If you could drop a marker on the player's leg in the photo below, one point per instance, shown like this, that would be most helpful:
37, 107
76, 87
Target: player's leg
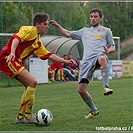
20, 117
62, 75
51, 75
102, 60
59, 75
82, 89
28, 96
70, 75
16, 69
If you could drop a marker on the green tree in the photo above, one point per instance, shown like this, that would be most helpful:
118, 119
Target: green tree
72, 15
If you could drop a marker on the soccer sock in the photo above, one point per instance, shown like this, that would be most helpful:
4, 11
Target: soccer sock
62, 75
22, 107
58, 73
105, 75
29, 101
90, 103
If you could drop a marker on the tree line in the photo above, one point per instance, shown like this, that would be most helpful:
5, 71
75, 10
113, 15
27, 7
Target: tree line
72, 15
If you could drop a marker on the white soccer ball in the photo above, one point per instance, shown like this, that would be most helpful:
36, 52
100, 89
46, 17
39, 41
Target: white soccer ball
44, 117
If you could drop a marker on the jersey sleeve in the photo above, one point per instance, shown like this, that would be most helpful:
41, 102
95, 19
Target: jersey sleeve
26, 33
110, 40
77, 34
42, 52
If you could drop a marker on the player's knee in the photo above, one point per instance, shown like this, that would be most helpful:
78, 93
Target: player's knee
102, 59
33, 83
80, 90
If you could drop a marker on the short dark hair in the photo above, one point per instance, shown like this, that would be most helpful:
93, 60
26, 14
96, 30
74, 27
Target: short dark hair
97, 10
40, 18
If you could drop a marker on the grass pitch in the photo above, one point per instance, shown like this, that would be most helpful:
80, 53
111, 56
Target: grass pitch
68, 109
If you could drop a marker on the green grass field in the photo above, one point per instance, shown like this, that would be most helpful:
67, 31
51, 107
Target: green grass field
68, 109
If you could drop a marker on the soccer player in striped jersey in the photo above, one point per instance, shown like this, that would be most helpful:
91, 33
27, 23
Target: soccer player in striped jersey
22, 44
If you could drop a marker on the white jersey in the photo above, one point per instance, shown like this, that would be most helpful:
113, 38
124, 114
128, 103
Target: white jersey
93, 40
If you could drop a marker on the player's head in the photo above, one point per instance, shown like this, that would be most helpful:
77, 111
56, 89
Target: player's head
40, 20
96, 15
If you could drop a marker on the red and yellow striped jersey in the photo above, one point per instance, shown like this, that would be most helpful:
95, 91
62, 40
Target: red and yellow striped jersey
29, 43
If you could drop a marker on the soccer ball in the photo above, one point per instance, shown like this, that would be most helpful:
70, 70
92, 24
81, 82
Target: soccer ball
44, 117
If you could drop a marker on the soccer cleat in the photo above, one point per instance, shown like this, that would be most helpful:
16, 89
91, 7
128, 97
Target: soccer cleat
107, 91
20, 121
91, 114
32, 120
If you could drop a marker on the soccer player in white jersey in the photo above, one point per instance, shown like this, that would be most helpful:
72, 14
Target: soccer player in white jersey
97, 42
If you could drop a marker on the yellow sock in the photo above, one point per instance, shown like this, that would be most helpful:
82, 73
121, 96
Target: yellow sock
29, 101
22, 107
58, 74
62, 75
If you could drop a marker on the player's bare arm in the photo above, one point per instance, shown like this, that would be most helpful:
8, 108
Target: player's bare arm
65, 32
14, 45
61, 60
110, 49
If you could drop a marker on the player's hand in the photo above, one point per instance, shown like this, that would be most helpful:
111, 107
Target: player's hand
54, 23
106, 49
73, 61
10, 57
70, 62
